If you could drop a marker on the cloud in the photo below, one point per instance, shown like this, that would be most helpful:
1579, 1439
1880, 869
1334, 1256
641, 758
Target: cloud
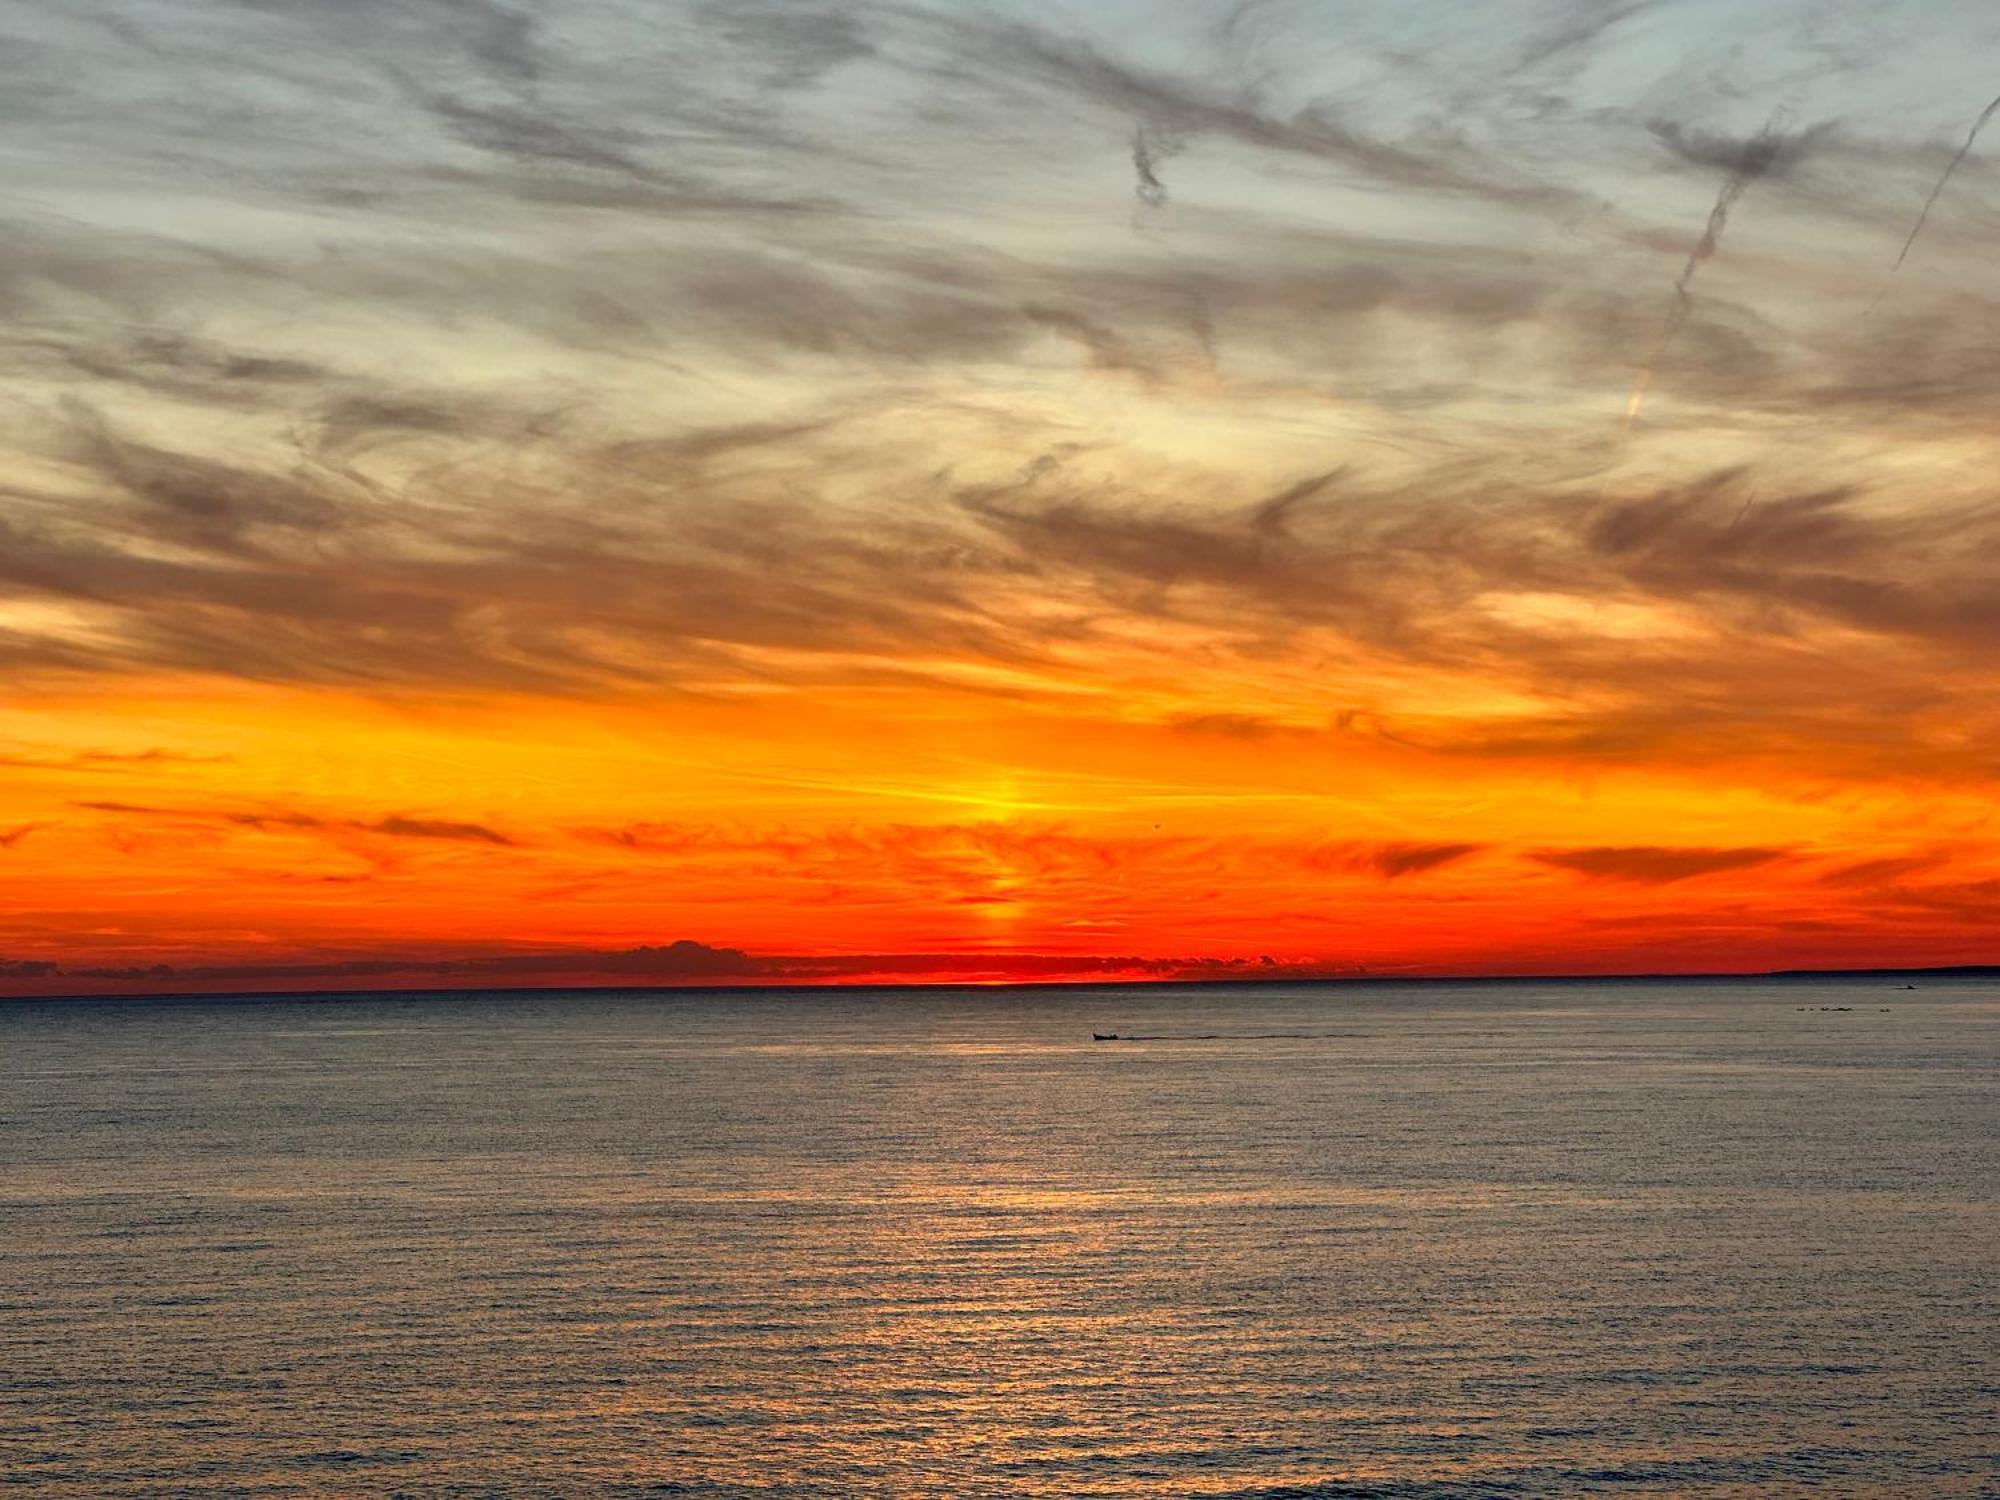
703, 550
263, 820
717, 553
101, 760
1743, 162
1396, 860
1965, 900
1652, 865
1061, 966
1882, 871
1152, 146
192, 500
438, 828
743, 366
681, 962
1826, 553
1014, 55
11, 837
1235, 726
1016, 858
1771, 153
178, 365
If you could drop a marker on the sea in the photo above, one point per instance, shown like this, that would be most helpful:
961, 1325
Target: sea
1284, 1241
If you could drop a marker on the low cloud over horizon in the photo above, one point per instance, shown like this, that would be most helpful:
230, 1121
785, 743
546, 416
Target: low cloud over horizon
682, 962
685, 963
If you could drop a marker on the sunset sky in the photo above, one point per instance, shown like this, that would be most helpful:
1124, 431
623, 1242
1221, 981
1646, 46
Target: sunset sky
626, 491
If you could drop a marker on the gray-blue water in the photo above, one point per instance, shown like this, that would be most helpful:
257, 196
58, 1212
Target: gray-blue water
1454, 1241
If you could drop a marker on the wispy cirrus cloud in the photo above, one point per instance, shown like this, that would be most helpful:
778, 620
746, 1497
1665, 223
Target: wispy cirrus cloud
700, 555
153, 758
1022, 856
395, 826
1883, 871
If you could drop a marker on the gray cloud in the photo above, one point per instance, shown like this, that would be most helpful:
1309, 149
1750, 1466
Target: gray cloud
1651, 865
265, 819
1743, 162
438, 828
1152, 146
1771, 153
1020, 54
1397, 860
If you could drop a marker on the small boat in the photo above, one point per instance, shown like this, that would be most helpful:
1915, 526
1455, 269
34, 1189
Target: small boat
1104, 1036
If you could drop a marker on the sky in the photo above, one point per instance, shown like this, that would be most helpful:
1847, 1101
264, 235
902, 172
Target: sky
623, 491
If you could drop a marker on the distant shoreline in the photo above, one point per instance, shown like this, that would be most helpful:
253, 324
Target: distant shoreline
1343, 981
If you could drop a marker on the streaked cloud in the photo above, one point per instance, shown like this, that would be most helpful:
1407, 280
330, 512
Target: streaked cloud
1652, 865
398, 826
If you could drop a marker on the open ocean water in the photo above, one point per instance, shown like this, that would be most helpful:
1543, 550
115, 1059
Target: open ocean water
1423, 1240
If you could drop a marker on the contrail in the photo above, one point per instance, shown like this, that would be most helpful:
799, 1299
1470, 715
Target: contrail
1753, 162
1150, 147
1970, 136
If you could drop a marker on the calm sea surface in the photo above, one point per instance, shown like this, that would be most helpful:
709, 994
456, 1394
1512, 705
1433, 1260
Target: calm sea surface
1398, 1241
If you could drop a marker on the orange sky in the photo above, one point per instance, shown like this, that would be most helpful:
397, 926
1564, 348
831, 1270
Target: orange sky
952, 494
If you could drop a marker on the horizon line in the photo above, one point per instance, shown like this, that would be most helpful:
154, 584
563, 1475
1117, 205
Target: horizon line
1935, 971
